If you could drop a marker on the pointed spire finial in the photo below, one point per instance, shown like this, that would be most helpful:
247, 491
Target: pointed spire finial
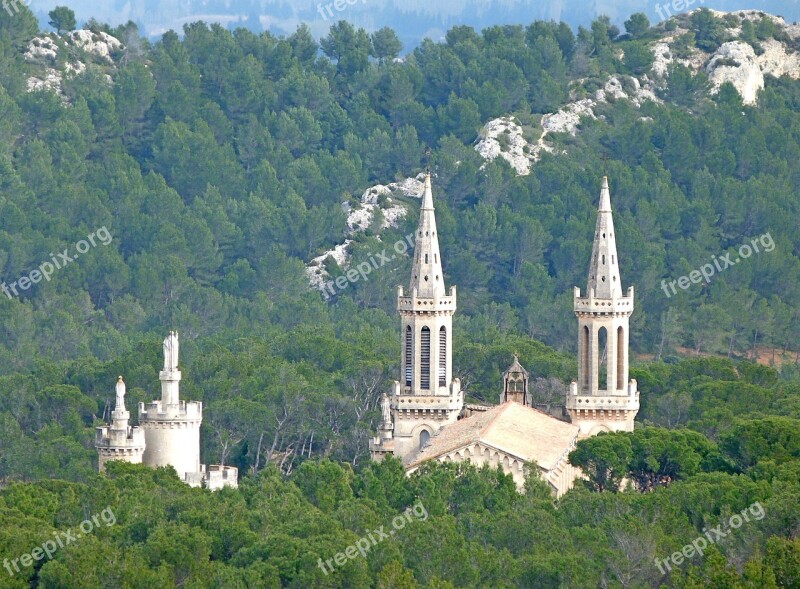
427, 195
605, 197
426, 272
604, 278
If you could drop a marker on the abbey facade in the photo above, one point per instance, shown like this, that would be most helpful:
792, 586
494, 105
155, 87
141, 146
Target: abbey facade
425, 417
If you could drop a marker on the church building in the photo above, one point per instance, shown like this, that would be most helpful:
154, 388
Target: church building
425, 417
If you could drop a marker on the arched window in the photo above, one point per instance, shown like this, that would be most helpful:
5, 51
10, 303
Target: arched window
620, 359
442, 356
585, 359
424, 436
425, 359
602, 348
409, 355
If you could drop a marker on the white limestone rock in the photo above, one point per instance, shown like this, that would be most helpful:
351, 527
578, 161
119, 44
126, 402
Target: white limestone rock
49, 81
777, 61
567, 119
735, 62
412, 187
317, 275
100, 44
392, 215
44, 51
612, 88
520, 154
360, 217
662, 57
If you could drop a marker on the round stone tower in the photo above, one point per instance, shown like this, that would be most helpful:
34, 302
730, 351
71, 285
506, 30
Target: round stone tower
171, 426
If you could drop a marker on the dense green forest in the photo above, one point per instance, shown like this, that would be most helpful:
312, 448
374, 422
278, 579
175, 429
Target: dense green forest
217, 162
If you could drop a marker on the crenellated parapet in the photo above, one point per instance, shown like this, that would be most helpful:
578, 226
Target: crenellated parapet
180, 414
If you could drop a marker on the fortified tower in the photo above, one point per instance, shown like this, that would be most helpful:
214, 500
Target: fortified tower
427, 397
603, 399
119, 441
172, 426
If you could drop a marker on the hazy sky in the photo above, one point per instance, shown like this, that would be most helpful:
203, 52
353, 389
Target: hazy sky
412, 19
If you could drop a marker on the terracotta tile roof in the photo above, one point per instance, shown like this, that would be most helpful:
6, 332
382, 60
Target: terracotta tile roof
520, 431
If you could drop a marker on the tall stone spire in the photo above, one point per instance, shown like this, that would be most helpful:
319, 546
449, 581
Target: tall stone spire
603, 399
426, 273
427, 397
604, 268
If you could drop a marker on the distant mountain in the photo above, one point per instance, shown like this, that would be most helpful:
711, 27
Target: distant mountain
413, 20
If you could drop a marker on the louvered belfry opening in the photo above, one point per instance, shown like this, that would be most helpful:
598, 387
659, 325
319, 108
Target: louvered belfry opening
425, 359
443, 356
409, 359
620, 359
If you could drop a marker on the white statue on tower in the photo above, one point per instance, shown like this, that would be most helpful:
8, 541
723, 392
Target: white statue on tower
120, 395
386, 409
171, 351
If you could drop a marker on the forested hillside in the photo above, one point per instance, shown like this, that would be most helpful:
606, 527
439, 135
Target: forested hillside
187, 184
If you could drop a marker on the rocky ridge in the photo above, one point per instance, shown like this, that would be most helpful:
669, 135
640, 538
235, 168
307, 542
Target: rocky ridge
734, 61
375, 199
44, 51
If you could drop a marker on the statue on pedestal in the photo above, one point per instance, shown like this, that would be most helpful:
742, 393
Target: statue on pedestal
386, 409
171, 351
120, 395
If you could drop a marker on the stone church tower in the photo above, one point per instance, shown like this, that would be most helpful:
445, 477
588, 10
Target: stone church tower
119, 441
427, 397
603, 399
